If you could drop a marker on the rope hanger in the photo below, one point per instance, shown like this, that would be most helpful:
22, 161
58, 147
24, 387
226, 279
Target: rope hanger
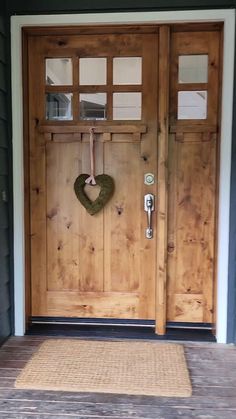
91, 179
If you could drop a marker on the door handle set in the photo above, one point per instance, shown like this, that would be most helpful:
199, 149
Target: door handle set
149, 208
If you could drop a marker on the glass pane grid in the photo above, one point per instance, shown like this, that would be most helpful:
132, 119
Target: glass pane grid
127, 70
59, 106
58, 71
192, 105
193, 69
127, 106
93, 106
93, 71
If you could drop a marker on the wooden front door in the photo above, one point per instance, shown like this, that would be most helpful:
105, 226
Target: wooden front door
151, 95
102, 265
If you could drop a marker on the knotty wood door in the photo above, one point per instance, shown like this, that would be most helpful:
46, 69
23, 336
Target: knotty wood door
193, 174
102, 265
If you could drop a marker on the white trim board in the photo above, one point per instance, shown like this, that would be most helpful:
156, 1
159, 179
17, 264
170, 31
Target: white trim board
17, 22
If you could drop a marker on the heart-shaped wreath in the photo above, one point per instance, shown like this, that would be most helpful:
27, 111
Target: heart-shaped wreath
107, 189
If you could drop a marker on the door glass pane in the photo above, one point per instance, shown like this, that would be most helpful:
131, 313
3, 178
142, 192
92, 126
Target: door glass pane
192, 105
127, 105
127, 70
193, 68
92, 71
59, 71
59, 106
93, 105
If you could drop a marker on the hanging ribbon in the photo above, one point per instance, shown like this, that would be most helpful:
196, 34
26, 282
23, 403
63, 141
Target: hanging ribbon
91, 179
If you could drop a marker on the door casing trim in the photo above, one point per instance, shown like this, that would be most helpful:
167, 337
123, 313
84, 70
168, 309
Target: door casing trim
227, 16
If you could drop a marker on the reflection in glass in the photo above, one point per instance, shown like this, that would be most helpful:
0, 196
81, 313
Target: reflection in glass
193, 68
127, 106
59, 71
127, 70
59, 106
92, 71
93, 105
192, 105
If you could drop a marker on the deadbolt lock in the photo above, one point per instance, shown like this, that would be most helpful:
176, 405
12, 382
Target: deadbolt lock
149, 179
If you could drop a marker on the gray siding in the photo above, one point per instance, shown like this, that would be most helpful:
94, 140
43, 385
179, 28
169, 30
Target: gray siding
5, 306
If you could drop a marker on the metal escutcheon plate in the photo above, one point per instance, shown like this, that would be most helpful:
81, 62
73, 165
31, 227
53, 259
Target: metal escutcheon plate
149, 179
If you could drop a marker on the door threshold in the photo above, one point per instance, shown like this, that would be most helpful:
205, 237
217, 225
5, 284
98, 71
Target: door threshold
117, 329
81, 321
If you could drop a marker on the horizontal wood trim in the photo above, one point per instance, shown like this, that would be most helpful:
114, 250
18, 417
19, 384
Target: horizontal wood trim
196, 27
103, 138
117, 29
192, 86
91, 304
121, 128
195, 137
91, 30
193, 128
94, 89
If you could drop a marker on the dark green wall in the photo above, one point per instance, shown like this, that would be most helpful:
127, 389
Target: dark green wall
5, 313
75, 6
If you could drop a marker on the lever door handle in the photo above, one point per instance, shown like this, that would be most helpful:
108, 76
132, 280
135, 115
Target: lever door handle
149, 208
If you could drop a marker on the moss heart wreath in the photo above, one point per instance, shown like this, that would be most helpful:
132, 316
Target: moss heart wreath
107, 189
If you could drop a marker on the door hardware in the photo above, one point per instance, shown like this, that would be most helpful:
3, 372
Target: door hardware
149, 179
149, 208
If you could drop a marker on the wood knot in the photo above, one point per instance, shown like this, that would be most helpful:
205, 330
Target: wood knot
52, 213
60, 246
36, 190
92, 248
170, 247
119, 210
61, 43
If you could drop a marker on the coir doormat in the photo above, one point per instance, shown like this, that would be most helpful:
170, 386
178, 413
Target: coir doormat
144, 368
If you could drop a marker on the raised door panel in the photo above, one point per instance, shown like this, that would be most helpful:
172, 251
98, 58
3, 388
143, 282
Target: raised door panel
100, 265
191, 228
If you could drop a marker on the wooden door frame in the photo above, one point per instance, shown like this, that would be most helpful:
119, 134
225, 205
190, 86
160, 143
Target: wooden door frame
227, 17
162, 104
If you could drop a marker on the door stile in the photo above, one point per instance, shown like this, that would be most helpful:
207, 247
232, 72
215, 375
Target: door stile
37, 164
162, 213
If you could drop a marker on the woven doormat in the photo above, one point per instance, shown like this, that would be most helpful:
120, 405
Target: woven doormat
144, 368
